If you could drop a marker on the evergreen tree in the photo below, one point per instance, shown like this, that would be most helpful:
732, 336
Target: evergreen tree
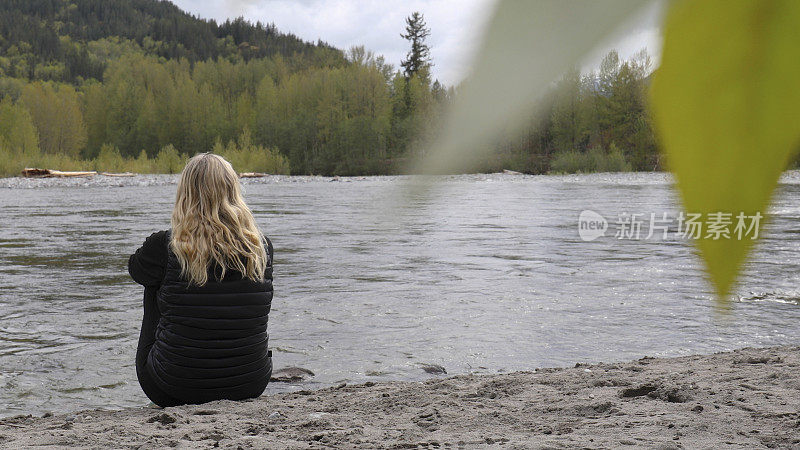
417, 60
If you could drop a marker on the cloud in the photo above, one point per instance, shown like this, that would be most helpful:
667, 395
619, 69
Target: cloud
235, 6
644, 31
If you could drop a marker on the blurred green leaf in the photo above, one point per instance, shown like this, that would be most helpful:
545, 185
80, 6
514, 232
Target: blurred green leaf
726, 100
527, 45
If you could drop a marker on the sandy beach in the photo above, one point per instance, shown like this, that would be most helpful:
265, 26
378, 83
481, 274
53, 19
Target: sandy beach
748, 398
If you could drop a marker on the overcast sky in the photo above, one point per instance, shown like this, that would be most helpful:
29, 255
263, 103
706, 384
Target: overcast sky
376, 24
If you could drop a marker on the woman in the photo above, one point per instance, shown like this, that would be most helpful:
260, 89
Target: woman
208, 291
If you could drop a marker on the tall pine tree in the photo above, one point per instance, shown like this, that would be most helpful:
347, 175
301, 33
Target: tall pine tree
417, 60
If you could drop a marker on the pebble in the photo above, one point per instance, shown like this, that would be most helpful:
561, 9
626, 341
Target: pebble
290, 375
433, 368
163, 418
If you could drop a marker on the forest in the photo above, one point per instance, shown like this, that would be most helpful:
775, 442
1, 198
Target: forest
139, 85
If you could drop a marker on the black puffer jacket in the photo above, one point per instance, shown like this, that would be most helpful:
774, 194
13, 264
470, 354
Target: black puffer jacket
211, 342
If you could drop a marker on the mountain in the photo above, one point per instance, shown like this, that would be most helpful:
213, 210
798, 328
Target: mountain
72, 40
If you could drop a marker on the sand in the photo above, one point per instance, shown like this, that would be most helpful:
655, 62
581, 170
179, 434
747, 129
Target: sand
748, 398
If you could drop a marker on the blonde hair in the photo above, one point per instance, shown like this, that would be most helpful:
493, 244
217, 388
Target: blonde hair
212, 223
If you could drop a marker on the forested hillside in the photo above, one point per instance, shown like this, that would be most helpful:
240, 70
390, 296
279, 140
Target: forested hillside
139, 85
47, 39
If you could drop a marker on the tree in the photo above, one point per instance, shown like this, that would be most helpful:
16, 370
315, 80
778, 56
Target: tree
17, 132
417, 60
411, 94
623, 115
58, 118
568, 125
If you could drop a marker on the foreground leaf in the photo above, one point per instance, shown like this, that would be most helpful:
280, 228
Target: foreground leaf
726, 100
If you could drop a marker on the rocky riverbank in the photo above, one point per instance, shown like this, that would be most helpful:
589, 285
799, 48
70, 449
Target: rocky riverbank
748, 398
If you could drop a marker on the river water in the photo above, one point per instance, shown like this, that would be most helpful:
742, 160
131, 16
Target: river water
377, 276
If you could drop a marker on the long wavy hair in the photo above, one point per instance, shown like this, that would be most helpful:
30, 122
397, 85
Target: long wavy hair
211, 223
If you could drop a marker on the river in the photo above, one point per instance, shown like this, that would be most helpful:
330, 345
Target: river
377, 276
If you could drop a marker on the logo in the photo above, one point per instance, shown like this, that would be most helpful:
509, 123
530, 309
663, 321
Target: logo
591, 225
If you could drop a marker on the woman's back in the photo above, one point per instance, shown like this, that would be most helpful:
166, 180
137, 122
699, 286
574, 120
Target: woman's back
211, 340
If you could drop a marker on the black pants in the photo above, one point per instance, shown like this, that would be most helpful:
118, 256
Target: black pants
146, 339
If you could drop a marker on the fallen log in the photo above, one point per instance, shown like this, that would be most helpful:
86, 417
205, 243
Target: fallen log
48, 173
121, 174
252, 175
59, 173
32, 172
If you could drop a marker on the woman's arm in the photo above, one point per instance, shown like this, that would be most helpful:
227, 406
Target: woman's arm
270, 250
147, 265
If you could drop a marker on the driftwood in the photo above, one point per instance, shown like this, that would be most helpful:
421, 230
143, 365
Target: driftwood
252, 175
47, 173
511, 172
58, 173
31, 172
123, 174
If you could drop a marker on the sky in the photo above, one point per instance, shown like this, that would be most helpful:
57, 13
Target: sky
456, 27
